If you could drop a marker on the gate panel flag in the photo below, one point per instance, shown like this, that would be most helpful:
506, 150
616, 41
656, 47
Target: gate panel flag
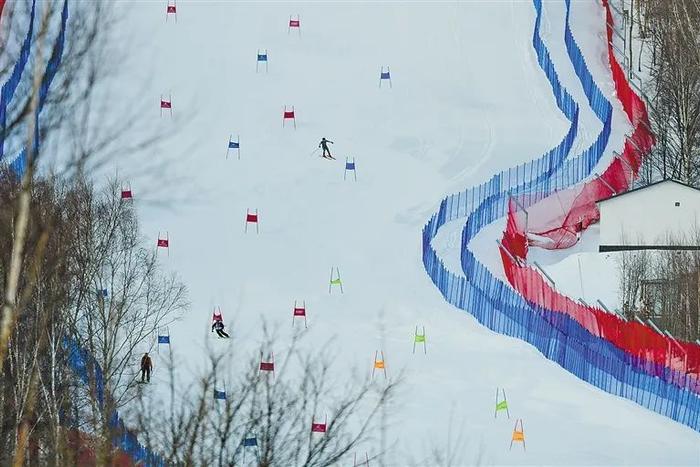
318, 427
217, 316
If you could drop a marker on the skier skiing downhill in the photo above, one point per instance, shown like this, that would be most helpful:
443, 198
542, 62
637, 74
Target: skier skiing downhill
219, 327
324, 145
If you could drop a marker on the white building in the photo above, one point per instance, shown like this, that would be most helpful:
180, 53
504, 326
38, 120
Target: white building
663, 215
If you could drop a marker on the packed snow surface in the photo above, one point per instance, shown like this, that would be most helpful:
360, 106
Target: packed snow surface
467, 99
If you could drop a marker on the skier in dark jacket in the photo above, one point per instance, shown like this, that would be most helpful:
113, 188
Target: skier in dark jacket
324, 145
219, 327
146, 367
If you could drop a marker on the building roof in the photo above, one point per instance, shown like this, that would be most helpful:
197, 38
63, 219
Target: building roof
648, 186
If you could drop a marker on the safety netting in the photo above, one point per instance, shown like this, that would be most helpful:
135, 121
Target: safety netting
557, 221
633, 337
498, 306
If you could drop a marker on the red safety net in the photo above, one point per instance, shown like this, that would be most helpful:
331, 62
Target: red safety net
299, 311
577, 206
293, 23
267, 366
289, 114
172, 9
631, 336
556, 221
251, 217
165, 104
163, 242
577, 209
514, 239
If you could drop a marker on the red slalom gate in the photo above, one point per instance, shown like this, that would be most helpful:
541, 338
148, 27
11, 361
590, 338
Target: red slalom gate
299, 312
163, 242
580, 210
166, 104
267, 366
294, 23
252, 218
288, 114
126, 193
319, 427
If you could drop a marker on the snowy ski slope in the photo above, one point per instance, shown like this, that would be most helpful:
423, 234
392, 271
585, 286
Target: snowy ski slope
468, 99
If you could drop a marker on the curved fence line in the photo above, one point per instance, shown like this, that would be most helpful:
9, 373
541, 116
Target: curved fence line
10, 86
500, 308
19, 164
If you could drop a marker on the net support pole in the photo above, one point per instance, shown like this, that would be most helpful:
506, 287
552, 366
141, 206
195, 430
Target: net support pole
602, 305
634, 144
545, 275
515, 260
622, 159
522, 208
606, 184
651, 323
